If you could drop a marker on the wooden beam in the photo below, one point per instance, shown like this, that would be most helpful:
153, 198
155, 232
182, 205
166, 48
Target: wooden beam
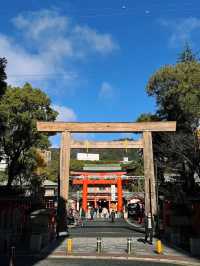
150, 185
105, 127
137, 144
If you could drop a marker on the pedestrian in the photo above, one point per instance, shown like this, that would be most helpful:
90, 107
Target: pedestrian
100, 211
105, 212
137, 210
92, 213
97, 212
112, 216
149, 228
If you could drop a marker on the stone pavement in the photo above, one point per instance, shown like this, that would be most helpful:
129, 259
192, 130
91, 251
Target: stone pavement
110, 245
114, 248
102, 228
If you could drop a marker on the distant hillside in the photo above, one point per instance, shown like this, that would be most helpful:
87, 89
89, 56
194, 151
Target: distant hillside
106, 156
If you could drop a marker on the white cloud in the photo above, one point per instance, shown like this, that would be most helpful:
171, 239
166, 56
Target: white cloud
106, 91
102, 43
65, 114
40, 23
20, 62
48, 43
181, 30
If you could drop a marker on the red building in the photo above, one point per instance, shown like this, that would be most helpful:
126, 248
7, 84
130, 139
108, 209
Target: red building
101, 185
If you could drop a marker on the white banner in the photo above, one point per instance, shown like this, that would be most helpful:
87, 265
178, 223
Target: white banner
113, 191
87, 156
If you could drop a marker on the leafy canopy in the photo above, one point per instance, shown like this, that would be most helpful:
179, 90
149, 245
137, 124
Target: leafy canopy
176, 89
3, 76
20, 108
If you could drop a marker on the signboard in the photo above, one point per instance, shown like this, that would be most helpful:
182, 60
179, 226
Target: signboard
113, 191
87, 157
102, 167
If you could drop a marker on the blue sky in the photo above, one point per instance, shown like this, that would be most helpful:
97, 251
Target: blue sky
94, 58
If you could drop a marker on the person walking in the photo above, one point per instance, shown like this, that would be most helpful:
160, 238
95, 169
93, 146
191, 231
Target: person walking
105, 212
112, 216
83, 217
149, 228
92, 213
137, 210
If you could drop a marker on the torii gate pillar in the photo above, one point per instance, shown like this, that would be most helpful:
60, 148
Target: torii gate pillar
63, 181
150, 184
64, 165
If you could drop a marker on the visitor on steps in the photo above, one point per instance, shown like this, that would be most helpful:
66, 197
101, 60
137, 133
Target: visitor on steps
149, 228
105, 212
92, 213
112, 216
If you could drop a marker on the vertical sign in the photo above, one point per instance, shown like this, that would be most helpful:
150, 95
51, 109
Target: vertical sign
113, 191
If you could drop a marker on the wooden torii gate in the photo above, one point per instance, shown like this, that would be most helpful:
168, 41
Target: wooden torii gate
146, 128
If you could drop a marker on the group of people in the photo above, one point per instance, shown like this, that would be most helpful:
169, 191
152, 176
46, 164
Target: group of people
98, 212
78, 218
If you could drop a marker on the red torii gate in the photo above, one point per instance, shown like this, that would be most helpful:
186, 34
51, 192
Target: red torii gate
86, 181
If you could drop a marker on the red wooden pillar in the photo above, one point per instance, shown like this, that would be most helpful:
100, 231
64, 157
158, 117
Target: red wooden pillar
95, 202
119, 194
85, 192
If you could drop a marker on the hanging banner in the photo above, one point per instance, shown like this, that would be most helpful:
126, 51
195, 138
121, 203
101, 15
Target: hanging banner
87, 156
113, 191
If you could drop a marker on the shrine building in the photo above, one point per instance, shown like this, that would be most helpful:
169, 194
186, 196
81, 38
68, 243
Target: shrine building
101, 185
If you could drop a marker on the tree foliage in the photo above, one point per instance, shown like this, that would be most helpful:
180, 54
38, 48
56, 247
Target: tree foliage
3, 76
176, 89
20, 108
106, 155
187, 55
177, 93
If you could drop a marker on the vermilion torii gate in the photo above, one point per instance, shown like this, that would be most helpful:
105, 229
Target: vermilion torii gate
86, 181
146, 128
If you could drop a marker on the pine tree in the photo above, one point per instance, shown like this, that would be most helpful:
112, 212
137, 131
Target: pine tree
187, 55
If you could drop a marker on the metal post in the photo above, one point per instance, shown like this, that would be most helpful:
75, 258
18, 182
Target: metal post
99, 245
129, 245
12, 257
69, 245
159, 247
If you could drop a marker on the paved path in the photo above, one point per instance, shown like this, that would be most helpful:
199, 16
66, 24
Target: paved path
114, 243
105, 228
114, 248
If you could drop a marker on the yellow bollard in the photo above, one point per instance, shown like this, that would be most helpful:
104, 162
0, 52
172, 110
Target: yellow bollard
159, 247
69, 245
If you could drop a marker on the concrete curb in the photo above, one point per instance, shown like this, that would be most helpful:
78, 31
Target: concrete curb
104, 257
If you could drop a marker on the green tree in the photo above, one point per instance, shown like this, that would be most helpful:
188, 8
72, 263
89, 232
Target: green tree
176, 89
3, 87
20, 108
187, 55
3, 77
